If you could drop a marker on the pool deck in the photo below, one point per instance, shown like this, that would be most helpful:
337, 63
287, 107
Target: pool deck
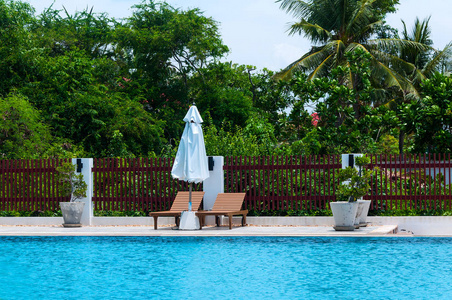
384, 230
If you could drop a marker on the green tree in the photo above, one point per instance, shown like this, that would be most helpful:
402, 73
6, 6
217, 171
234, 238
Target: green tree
429, 120
234, 93
223, 93
159, 39
272, 99
343, 126
237, 141
79, 108
22, 133
159, 49
16, 45
426, 60
70, 183
61, 33
420, 33
337, 27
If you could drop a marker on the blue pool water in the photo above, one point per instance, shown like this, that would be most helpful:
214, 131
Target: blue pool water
225, 268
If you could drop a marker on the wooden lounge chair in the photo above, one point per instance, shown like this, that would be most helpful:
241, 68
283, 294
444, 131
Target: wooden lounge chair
179, 205
226, 204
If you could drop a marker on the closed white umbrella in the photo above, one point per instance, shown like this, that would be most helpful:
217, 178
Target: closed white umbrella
191, 161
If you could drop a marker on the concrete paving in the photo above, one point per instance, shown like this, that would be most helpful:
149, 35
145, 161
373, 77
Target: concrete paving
384, 230
407, 225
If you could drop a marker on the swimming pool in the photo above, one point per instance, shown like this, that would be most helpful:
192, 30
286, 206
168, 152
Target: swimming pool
225, 267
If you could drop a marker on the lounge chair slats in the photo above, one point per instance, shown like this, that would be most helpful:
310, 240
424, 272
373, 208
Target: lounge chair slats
226, 204
179, 205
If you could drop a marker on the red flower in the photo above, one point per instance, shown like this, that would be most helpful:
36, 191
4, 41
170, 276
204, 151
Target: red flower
315, 119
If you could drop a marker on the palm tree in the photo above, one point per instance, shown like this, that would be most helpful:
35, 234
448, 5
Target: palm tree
421, 34
427, 61
336, 27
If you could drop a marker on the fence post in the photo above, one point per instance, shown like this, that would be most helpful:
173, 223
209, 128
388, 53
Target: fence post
215, 183
84, 166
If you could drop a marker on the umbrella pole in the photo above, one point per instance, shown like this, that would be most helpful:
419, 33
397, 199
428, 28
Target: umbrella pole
189, 196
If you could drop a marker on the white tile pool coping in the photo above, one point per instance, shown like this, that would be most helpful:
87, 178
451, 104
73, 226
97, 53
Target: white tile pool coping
258, 226
207, 231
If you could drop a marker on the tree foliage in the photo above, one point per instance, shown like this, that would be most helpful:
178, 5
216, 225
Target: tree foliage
355, 183
22, 133
16, 46
89, 85
70, 183
347, 119
337, 27
429, 121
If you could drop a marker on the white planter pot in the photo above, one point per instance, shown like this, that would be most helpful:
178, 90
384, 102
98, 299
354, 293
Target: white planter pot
72, 213
362, 216
344, 214
359, 211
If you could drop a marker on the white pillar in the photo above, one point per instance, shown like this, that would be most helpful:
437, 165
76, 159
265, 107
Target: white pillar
347, 160
86, 171
215, 183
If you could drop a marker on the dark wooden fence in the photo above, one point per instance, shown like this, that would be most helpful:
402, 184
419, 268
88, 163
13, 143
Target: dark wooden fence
139, 184
271, 183
29, 185
414, 181
283, 183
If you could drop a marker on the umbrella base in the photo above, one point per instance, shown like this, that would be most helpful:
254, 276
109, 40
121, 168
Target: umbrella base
188, 221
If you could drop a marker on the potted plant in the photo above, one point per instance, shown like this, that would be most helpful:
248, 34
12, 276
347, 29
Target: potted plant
73, 185
354, 184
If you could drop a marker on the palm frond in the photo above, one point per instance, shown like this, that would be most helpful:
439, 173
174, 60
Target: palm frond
421, 32
312, 31
307, 62
361, 17
321, 68
400, 43
349, 79
437, 58
380, 97
410, 72
394, 61
390, 78
366, 31
352, 46
298, 9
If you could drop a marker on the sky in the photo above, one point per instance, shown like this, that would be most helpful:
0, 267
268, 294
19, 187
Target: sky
256, 30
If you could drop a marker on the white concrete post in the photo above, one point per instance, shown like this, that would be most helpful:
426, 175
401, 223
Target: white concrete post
87, 165
346, 160
215, 183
